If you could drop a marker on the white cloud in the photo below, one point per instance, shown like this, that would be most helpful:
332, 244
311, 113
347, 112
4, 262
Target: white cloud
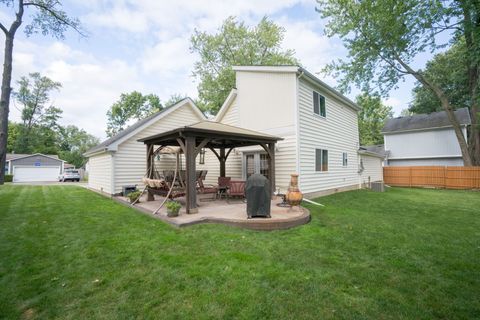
148, 50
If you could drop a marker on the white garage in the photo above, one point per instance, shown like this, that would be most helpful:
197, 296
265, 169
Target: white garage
35, 168
29, 174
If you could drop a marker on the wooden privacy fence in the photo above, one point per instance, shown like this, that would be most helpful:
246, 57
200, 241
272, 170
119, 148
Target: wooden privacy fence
433, 176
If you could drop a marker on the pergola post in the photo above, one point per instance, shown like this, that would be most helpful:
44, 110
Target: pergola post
271, 164
150, 169
222, 160
191, 193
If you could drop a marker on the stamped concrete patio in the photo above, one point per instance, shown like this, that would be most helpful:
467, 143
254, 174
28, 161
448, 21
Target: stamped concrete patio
233, 213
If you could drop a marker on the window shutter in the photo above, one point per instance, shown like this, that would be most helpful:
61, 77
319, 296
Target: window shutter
318, 159
316, 105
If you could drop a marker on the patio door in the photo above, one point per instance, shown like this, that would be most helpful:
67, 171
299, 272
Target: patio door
256, 162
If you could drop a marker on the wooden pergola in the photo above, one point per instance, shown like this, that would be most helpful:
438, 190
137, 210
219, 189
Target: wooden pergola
220, 138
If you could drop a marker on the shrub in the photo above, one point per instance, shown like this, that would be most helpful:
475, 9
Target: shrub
132, 196
8, 177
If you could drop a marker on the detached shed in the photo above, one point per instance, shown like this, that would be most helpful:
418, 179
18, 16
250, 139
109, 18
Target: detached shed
35, 167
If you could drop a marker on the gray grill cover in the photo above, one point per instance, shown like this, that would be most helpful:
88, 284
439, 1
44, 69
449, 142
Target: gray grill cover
258, 195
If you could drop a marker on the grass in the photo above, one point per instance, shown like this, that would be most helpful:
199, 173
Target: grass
68, 253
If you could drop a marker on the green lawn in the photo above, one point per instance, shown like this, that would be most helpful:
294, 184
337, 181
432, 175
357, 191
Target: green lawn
68, 253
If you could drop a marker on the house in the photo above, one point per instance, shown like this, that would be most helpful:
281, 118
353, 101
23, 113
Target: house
425, 139
33, 167
318, 125
120, 160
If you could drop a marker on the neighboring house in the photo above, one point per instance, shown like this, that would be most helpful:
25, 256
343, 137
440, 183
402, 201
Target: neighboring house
319, 127
33, 167
121, 160
425, 139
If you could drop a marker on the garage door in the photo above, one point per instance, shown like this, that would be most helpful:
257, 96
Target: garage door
29, 174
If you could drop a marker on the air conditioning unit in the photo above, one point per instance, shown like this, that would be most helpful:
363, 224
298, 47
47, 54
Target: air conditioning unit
378, 186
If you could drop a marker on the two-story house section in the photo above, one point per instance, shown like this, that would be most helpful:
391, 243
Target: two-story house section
425, 139
319, 127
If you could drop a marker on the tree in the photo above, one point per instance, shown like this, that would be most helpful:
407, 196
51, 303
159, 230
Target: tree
384, 37
13, 134
73, 143
448, 69
234, 44
47, 18
131, 106
371, 118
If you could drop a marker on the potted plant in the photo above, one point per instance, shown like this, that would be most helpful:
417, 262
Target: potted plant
173, 207
132, 196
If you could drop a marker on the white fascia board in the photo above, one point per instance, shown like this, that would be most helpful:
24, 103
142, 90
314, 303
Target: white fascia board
114, 145
280, 69
463, 126
226, 104
371, 154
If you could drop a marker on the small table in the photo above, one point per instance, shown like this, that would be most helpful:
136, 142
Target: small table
284, 203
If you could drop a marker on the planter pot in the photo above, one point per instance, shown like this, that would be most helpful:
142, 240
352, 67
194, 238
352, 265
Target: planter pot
172, 213
294, 196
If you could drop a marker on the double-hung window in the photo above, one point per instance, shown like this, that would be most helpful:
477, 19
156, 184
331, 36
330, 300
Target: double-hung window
321, 160
319, 104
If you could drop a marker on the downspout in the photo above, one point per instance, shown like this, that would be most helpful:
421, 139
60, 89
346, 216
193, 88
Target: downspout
297, 125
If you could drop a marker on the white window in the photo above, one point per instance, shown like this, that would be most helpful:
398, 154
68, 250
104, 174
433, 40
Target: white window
319, 104
345, 159
321, 160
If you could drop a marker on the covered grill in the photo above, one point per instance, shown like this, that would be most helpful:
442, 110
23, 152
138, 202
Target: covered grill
258, 194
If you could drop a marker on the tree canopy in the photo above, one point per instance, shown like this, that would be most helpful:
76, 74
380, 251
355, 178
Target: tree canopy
131, 106
46, 17
449, 71
40, 130
234, 44
383, 38
371, 118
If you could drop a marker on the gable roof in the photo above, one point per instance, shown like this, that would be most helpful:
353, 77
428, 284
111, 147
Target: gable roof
17, 156
226, 104
425, 121
374, 150
141, 124
301, 72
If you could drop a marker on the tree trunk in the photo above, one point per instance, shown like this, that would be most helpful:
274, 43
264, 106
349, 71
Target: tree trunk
471, 26
5, 103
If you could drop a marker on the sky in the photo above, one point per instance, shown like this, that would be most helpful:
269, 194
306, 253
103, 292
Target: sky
144, 45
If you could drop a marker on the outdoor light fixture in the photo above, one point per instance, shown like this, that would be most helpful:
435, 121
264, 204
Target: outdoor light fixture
202, 156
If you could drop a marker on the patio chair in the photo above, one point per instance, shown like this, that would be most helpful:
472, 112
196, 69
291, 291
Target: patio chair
223, 183
236, 189
206, 189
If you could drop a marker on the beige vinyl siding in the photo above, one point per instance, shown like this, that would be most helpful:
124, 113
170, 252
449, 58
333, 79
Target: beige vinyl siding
265, 102
337, 133
100, 172
130, 158
372, 167
231, 115
233, 166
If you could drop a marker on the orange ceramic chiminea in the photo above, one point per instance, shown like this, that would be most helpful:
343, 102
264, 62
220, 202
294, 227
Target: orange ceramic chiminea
294, 196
